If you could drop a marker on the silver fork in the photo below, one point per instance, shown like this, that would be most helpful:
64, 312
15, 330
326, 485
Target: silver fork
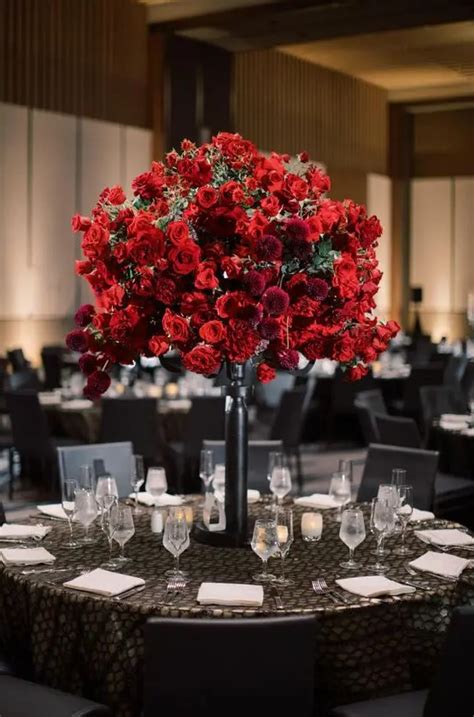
335, 592
320, 590
415, 573
277, 597
174, 586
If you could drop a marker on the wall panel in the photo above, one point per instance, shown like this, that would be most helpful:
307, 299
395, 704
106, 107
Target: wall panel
138, 154
379, 202
463, 211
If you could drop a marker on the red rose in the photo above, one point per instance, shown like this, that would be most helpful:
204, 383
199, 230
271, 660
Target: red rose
344, 349
77, 340
206, 197
158, 345
116, 195
265, 373
203, 359
270, 205
345, 277
354, 373
231, 192
95, 242
97, 384
142, 221
148, 185
147, 247
123, 323
205, 278
79, 223
83, 267
112, 297
212, 332
84, 315
233, 304
177, 232
176, 327
231, 265
319, 181
315, 349
192, 301
296, 186
185, 257
166, 291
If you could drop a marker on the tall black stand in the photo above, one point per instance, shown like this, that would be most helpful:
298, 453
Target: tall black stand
236, 459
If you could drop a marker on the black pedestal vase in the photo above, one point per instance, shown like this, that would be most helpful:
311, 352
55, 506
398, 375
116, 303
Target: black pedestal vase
236, 459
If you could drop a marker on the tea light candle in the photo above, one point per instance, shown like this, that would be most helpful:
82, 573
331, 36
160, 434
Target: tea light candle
189, 516
311, 526
282, 532
156, 522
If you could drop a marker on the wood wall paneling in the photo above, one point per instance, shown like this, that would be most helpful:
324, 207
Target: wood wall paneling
463, 224
379, 202
138, 154
443, 143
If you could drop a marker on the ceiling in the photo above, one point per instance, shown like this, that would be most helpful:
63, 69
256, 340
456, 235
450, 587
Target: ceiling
415, 63
168, 10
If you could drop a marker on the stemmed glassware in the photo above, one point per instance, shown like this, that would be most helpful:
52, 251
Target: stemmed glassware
108, 502
137, 479
399, 477
206, 468
340, 491
122, 527
280, 483
218, 482
285, 536
382, 522
85, 511
156, 483
85, 478
404, 512
106, 485
176, 540
69, 488
276, 459
352, 534
265, 544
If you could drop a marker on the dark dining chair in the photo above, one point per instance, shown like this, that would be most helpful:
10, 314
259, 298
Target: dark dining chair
367, 403
24, 380
116, 459
436, 400
420, 466
288, 425
260, 666
2, 514
17, 359
452, 688
397, 431
257, 460
454, 371
52, 360
135, 420
429, 375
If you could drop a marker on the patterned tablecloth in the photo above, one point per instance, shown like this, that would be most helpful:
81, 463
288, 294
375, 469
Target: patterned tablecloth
94, 646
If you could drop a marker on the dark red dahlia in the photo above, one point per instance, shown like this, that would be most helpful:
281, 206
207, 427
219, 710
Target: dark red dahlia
77, 340
269, 328
254, 282
268, 248
166, 291
296, 229
300, 248
275, 301
288, 359
318, 289
87, 364
97, 384
84, 315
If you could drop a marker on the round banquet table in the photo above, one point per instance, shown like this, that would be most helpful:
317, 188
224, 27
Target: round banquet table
456, 451
93, 645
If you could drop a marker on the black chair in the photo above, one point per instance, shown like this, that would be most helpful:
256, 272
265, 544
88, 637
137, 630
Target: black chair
397, 431
420, 466
115, 458
452, 689
52, 360
343, 397
18, 360
367, 403
24, 380
436, 400
132, 419
430, 375
2, 514
257, 460
467, 381
454, 371
257, 665
288, 424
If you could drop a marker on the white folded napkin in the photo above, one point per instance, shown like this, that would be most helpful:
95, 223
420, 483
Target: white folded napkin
373, 586
230, 594
454, 418
317, 500
419, 515
450, 566
166, 499
253, 495
76, 404
104, 582
468, 432
12, 530
452, 425
54, 510
445, 536
47, 398
26, 556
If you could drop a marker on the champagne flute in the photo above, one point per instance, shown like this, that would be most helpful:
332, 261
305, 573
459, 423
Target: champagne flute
123, 528
106, 485
340, 491
404, 512
399, 477
218, 482
86, 512
206, 468
69, 488
265, 544
352, 534
280, 484
176, 541
276, 459
383, 523
137, 479
85, 478
156, 485
285, 536
109, 502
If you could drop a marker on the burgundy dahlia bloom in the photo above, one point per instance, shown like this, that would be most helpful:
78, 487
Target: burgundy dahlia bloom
318, 289
268, 248
87, 364
296, 229
84, 315
300, 248
275, 301
77, 340
254, 282
269, 328
97, 384
288, 359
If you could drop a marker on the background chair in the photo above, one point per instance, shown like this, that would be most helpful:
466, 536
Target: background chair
26, 379
430, 375
452, 690
367, 403
397, 431
2, 514
288, 424
257, 460
436, 400
52, 360
420, 466
135, 420
117, 458
17, 360
454, 371
258, 665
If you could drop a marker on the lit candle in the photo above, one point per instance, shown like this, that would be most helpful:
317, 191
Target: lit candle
282, 532
189, 516
311, 526
156, 522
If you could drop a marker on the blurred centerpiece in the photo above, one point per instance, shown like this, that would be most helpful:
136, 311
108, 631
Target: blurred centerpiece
225, 256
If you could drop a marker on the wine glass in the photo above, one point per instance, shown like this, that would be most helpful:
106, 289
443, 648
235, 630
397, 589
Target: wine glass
85, 511
218, 482
404, 511
85, 478
352, 534
206, 468
399, 477
345, 466
340, 491
285, 536
108, 502
276, 459
106, 485
156, 483
176, 540
122, 527
69, 488
137, 478
383, 523
280, 484
265, 544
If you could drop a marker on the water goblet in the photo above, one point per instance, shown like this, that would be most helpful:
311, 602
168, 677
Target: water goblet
123, 528
206, 468
352, 534
176, 540
265, 544
340, 491
280, 484
404, 511
106, 485
69, 488
85, 510
156, 483
383, 523
137, 479
285, 537
85, 481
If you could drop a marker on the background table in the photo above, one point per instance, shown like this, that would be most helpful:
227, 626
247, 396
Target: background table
93, 645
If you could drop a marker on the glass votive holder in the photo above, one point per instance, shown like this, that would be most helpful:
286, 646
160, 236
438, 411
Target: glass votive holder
311, 526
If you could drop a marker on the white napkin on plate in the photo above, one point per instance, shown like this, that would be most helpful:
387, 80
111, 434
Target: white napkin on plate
104, 582
166, 499
468, 432
454, 418
373, 586
317, 500
230, 594
452, 426
54, 510
47, 398
76, 404
450, 566
26, 556
12, 530
445, 536
253, 495
419, 515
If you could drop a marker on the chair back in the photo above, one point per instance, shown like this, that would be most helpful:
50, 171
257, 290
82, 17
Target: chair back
30, 427
17, 359
117, 458
430, 375
373, 400
454, 370
452, 690
367, 403
52, 360
467, 381
289, 418
436, 400
132, 419
24, 380
397, 431
205, 421
266, 664
420, 466
257, 460
2, 514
